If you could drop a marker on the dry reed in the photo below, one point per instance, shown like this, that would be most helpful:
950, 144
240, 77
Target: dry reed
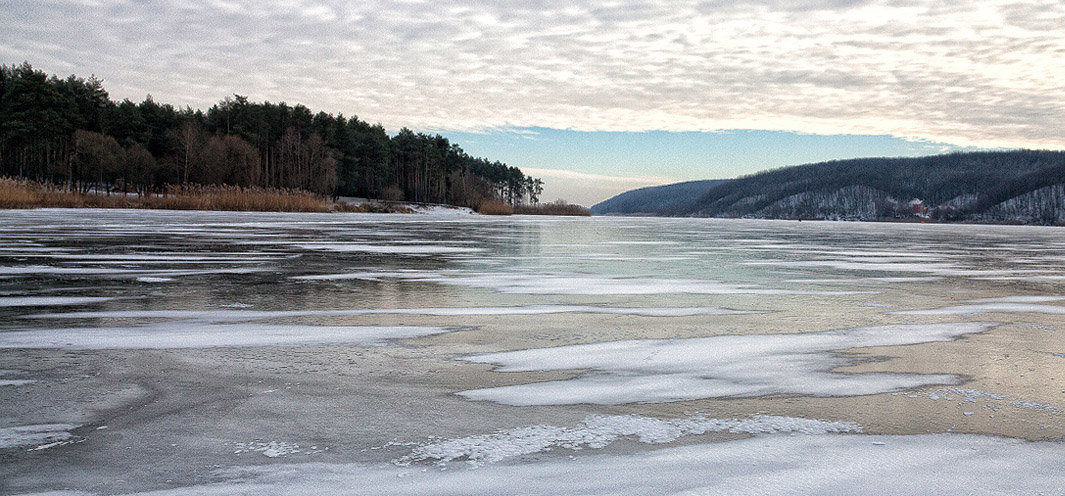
555, 208
16, 193
494, 207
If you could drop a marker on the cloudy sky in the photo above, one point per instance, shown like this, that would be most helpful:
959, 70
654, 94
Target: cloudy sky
595, 97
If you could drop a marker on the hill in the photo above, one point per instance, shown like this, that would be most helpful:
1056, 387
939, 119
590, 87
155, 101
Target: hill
656, 200
1010, 186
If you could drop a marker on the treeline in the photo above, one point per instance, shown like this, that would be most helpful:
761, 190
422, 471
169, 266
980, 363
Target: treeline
952, 187
69, 132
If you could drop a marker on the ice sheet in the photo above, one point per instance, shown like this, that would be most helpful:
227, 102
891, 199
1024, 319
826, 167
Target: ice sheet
49, 301
249, 315
979, 308
9, 378
185, 334
933, 268
721, 366
389, 249
571, 284
825, 465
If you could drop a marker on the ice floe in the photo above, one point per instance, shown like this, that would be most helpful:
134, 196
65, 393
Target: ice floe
721, 366
599, 431
184, 334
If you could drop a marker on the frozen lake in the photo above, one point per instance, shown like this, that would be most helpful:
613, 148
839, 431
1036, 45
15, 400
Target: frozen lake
251, 353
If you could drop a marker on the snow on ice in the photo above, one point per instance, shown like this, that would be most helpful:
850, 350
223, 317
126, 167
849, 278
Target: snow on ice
662, 370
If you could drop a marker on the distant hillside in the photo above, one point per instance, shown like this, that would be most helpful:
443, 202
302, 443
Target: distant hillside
1015, 186
656, 200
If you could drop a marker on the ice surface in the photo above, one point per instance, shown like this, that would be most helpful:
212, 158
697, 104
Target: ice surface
933, 268
825, 465
192, 334
712, 367
1020, 299
390, 249
32, 270
6, 380
49, 301
978, 308
249, 315
140, 258
30, 435
598, 431
16, 382
571, 284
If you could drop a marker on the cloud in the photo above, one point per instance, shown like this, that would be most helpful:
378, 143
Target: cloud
966, 73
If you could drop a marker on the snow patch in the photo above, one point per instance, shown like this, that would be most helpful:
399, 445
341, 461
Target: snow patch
43, 435
713, 367
826, 465
273, 449
599, 431
992, 401
154, 279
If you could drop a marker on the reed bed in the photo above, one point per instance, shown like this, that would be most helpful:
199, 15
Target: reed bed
17, 193
555, 208
494, 207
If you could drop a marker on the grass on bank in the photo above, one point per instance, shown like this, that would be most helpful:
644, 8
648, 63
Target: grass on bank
17, 193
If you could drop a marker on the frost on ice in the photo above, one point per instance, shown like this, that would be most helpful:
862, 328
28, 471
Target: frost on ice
598, 431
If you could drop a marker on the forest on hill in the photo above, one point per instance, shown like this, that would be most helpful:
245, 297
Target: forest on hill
1021, 186
654, 200
69, 132
1008, 186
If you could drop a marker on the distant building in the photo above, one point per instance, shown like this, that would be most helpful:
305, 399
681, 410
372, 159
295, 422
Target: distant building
918, 208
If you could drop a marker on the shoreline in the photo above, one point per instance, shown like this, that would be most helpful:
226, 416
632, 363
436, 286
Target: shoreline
22, 194
912, 220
